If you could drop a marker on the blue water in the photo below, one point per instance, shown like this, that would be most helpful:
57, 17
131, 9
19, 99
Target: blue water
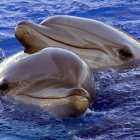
115, 114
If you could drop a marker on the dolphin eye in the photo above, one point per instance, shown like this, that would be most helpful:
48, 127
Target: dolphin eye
4, 86
125, 54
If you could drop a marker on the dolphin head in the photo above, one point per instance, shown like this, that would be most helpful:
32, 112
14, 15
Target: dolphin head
98, 43
54, 79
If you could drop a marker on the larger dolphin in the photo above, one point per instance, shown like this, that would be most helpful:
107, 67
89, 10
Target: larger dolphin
54, 79
98, 43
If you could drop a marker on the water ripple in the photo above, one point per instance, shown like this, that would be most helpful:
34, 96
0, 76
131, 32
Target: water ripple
114, 115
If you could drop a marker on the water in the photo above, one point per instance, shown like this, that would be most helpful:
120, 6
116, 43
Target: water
115, 114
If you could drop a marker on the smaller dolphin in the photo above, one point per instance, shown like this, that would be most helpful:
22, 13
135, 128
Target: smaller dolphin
54, 79
98, 43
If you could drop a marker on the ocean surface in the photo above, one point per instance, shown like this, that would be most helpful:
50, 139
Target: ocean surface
116, 113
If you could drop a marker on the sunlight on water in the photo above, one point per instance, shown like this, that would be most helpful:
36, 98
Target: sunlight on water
114, 115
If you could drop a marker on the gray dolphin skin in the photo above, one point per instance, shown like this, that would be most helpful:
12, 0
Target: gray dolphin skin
54, 70
98, 43
54, 79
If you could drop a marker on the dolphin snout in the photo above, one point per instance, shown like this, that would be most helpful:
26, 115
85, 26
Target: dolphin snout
80, 92
23, 23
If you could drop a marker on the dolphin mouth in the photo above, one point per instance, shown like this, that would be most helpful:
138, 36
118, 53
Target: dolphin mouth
73, 104
70, 106
85, 98
62, 93
42, 30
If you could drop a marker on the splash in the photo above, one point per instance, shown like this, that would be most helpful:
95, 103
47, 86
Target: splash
2, 55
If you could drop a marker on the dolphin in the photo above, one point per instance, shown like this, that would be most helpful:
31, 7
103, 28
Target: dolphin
98, 43
54, 79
